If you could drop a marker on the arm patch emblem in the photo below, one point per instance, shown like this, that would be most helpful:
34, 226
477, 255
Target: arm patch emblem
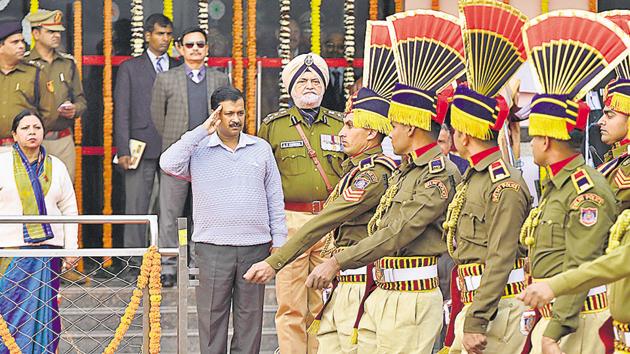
583, 198
588, 216
496, 195
441, 187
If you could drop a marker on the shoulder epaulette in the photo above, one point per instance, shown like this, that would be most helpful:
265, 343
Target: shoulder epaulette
272, 116
366, 163
581, 181
498, 171
27, 53
386, 161
437, 164
333, 114
609, 166
66, 56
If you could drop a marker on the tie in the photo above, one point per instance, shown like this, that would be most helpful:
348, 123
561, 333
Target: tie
158, 65
195, 76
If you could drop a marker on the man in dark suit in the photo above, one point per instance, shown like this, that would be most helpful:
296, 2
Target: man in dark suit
132, 98
181, 102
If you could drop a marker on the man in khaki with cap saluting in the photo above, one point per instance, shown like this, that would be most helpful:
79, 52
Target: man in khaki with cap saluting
63, 83
309, 155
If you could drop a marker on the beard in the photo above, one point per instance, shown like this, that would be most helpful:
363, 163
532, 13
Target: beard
308, 100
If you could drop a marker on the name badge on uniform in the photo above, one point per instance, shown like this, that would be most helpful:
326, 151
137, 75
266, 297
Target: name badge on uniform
331, 143
291, 144
61, 77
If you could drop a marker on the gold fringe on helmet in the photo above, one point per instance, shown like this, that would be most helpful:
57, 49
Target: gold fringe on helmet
620, 102
370, 120
469, 124
409, 115
548, 125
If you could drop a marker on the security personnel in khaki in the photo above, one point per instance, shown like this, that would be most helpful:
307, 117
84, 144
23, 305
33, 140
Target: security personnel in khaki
614, 130
483, 220
23, 84
63, 82
309, 155
344, 219
404, 313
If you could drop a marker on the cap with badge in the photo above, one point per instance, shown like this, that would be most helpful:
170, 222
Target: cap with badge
494, 52
50, 20
429, 54
571, 51
9, 27
617, 92
371, 103
299, 65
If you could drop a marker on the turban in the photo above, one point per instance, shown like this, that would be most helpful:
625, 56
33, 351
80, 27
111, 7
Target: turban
9, 27
299, 65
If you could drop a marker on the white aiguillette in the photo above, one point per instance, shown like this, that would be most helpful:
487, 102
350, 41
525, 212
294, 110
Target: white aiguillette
136, 149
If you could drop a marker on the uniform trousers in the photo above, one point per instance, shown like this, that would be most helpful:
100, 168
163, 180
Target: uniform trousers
138, 188
297, 304
63, 149
503, 334
400, 322
584, 340
221, 287
335, 330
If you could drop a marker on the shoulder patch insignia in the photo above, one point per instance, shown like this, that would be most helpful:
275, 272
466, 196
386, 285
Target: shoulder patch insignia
583, 198
498, 171
439, 185
496, 195
387, 162
370, 175
352, 195
588, 216
607, 167
622, 181
437, 164
366, 163
333, 114
67, 56
272, 116
581, 181
360, 183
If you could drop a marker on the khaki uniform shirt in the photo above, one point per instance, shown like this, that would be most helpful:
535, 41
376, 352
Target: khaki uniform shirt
23, 88
616, 169
412, 225
301, 181
496, 203
65, 85
579, 208
348, 214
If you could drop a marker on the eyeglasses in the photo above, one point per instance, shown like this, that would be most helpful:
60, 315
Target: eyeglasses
199, 44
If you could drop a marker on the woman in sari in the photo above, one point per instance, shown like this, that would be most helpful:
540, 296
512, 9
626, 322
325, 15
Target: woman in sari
33, 183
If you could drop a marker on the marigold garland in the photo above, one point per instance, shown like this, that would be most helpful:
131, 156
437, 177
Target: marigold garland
150, 271
348, 44
316, 29
78, 129
373, 10
33, 9
544, 6
202, 15
435, 5
284, 49
251, 67
237, 45
592, 5
398, 5
168, 12
7, 338
108, 114
137, 29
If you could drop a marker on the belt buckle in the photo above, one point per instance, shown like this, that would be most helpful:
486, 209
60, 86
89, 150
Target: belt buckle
316, 206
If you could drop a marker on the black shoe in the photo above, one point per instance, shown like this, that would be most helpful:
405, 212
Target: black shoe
168, 280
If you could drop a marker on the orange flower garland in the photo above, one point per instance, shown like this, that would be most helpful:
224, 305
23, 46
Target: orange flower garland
108, 114
316, 30
149, 276
398, 5
168, 12
544, 6
7, 338
33, 9
237, 45
435, 5
373, 12
592, 5
251, 67
78, 129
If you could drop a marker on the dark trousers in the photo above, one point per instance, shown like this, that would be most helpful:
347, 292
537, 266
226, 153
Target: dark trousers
221, 287
138, 188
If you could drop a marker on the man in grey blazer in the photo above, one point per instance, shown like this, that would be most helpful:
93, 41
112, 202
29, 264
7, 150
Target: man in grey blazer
132, 118
181, 102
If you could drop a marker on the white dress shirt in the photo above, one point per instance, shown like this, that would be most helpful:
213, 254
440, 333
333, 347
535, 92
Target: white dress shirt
164, 63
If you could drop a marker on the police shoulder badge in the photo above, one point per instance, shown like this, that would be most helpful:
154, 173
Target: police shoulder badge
439, 185
437, 164
498, 171
588, 216
496, 195
581, 181
366, 163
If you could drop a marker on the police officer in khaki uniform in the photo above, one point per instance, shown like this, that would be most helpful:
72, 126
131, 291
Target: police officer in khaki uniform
64, 83
483, 221
614, 130
22, 83
344, 219
309, 154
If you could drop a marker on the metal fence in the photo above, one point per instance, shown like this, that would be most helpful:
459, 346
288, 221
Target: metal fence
90, 304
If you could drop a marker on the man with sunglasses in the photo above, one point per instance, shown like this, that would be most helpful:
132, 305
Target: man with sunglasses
63, 83
181, 102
